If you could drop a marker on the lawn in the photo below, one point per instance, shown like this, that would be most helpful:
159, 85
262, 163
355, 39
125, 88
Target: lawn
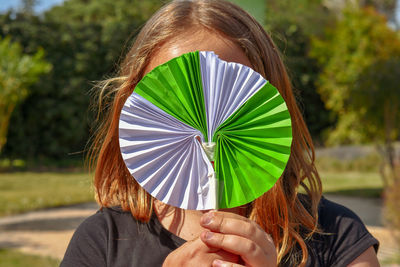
24, 191
17, 259
352, 183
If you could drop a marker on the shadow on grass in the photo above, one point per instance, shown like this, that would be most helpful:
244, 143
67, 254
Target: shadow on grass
75, 164
358, 192
44, 224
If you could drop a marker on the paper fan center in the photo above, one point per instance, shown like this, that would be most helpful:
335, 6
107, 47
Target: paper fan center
209, 148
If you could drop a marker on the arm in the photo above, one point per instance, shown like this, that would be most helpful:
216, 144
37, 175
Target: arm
367, 259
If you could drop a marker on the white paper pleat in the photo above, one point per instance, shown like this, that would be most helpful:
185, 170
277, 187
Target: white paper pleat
227, 86
164, 156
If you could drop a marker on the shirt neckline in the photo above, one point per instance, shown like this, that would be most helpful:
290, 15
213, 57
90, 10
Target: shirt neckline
158, 227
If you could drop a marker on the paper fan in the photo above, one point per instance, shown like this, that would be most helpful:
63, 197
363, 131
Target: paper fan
202, 133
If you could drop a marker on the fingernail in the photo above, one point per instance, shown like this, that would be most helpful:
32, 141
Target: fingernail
208, 235
218, 263
207, 218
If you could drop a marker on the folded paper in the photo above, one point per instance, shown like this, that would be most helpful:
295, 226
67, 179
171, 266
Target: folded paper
202, 133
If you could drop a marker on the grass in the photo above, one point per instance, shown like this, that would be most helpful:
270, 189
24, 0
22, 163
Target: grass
12, 258
351, 177
352, 183
366, 164
25, 191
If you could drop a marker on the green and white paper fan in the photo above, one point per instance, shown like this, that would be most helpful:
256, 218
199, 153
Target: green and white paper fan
202, 133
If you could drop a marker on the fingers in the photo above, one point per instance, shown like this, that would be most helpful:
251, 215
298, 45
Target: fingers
197, 253
233, 224
249, 251
238, 235
221, 263
226, 256
212, 251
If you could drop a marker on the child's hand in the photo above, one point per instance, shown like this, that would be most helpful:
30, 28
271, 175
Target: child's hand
196, 253
238, 235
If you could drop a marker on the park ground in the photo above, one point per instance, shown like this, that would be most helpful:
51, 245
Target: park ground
46, 233
36, 223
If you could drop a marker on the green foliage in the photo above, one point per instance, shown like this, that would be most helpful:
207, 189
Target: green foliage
255, 7
28, 6
386, 7
83, 40
17, 73
360, 83
292, 24
376, 98
310, 16
360, 40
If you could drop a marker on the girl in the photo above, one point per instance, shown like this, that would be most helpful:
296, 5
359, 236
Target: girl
282, 227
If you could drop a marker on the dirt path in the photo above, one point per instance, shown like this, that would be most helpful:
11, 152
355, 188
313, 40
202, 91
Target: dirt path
48, 232
45, 232
368, 209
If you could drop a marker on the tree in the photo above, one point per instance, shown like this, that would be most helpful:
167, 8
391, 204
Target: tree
83, 41
375, 97
359, 40
292, 25
28, 6
360, 83
17, 73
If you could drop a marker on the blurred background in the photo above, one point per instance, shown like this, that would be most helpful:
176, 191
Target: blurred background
343, 57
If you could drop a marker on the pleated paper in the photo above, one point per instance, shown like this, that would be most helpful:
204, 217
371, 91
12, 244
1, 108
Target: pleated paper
202, 133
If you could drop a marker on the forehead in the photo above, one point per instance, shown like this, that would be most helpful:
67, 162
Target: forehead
201, 40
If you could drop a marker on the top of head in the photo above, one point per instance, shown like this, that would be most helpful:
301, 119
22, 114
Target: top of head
201, 39
204, 25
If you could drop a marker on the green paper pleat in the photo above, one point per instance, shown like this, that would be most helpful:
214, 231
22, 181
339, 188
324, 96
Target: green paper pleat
252, 148
176, 88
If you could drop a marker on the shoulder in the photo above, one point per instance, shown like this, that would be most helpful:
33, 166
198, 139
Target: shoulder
113, 237
335, 216
90, 243
104, 222
340, 220
343, 235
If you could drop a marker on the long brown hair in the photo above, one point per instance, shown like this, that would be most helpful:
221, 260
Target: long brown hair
279, 211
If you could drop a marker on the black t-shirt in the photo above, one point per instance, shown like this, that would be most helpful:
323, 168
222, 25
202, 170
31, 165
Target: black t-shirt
112, 237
